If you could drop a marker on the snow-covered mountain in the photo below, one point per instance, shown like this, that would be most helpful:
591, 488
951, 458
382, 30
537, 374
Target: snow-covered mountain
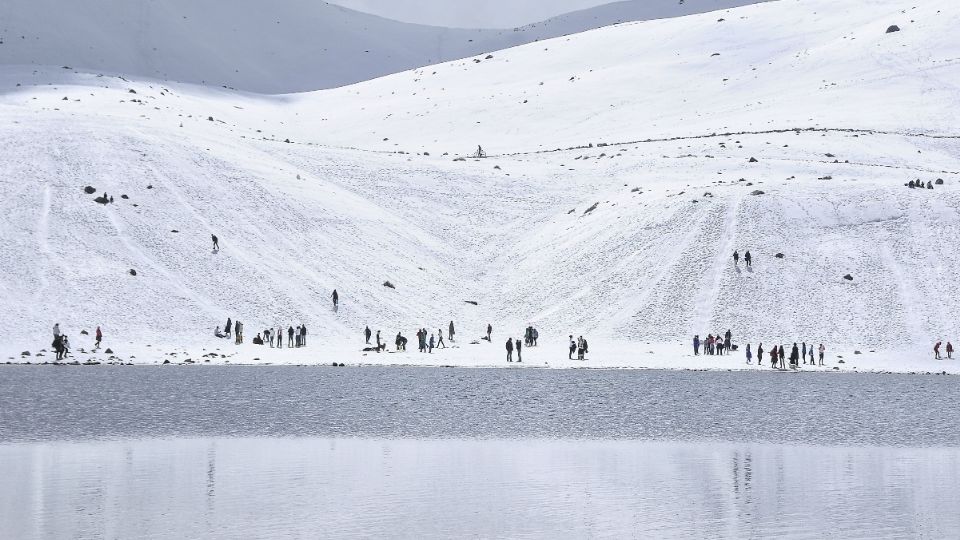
627, 164
276, 47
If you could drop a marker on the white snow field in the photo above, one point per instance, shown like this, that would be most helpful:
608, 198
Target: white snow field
627, 244
273, 47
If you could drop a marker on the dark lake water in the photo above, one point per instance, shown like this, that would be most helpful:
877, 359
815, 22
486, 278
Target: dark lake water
47, 403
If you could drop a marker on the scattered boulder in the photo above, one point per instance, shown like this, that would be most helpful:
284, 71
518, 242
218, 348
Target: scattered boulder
472, 302
132, 91
334, 364
89, 190
939, 181
108, 351
342, 364
592, 208
780, 256
25, 353
489, 57
758, 192
893, 28
149, 186
84, 333
209, 119
133, 272
753, 160
388, 285
848, 277
166, 361
857, 352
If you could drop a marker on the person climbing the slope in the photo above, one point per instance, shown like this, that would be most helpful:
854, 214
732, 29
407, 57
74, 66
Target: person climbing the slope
519, 358
736, 258
450, 332
748, 259
366, 334
216, 242
336, 300
509, 349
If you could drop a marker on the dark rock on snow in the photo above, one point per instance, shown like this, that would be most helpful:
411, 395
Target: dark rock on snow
472, 302
758, 192
753, 160
388, 285
893, 28
939, 181
25, 353
108, 351
89, 190
779, 255
133, 272
848, 277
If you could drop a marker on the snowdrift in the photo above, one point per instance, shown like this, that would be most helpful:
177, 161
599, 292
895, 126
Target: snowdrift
610, 205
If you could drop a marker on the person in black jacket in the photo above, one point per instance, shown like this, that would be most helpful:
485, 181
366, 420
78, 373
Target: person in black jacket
509, 349
289, 337
366, 334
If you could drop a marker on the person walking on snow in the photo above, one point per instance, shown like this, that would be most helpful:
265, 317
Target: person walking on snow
440, 342
432, 341
573, 348
289, 337
736, 258
99, 336
696, 345
336, 300
451, 332
748, 259
803, 353
949, 350
228, 328
366, 334
759, 354
749, 355
216, 242
823, 351
781, 355
519, 358
936, 351
509, 349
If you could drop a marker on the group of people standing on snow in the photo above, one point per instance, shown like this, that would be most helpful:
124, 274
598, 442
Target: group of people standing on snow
295, 337
936, 350
579, 346
717, 345
798, 355
61, 343
530, 336
747, 258
424, 344
713, 345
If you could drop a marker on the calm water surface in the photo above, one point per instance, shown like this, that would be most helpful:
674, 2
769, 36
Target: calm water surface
233, 452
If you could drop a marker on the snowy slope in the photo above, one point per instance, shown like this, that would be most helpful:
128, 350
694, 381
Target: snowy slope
837, 113
275, 47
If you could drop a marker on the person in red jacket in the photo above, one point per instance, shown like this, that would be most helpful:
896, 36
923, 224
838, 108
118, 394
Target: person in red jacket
99, 337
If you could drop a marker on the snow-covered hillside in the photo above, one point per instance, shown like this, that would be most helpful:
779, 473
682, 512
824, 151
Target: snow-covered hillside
628, 240
276, 47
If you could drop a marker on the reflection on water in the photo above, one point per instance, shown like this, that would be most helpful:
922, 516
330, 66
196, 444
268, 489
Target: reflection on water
232, 488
